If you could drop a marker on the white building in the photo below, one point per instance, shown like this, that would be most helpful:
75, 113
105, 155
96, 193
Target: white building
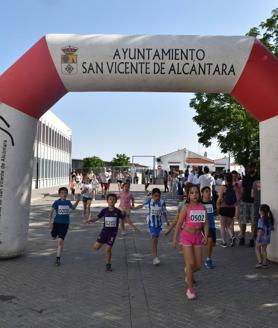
52, 152
222, 164
181, 159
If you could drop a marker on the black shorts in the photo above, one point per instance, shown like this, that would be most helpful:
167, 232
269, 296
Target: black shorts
120, 181
85, 199
212, 234
227, 211
60, 230
107, 237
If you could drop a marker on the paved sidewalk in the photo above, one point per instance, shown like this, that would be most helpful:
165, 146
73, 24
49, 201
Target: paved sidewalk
35, 293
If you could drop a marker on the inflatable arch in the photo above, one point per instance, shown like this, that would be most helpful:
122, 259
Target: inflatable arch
57, 64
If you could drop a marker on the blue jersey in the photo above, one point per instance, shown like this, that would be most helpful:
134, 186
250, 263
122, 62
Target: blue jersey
210, 208
156, 211
266, 232
62, 208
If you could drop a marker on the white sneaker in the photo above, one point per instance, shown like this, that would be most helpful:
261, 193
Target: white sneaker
156, 261
190, 293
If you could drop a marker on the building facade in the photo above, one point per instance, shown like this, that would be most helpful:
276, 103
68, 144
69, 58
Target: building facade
52, 152
181, 159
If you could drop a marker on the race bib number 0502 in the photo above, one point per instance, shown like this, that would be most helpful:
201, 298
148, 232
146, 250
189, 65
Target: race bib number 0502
110, 222
198, 216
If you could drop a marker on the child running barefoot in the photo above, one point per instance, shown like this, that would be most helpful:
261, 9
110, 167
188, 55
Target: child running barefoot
108, 234
265, 226
157, 209
126, 201
192, 221
87, 198
210, 208
59, 227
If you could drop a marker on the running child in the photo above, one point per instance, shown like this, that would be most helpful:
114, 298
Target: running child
73, 186
59, 226
211, 209
87, 194
192, 222
126, 201
265, 226
112, 216
156, 210
95, 185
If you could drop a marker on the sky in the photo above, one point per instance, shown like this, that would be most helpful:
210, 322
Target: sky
104, 124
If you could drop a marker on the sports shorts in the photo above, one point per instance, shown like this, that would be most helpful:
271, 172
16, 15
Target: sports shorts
191, 239
85, 199
59, 230
155, 231
126, 211
107, 237
227, 211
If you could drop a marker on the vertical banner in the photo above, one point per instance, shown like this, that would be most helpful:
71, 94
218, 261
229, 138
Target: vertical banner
17, 134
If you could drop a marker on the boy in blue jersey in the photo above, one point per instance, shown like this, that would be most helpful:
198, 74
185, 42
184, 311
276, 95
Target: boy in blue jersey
108, 234
211, 208
156, 209
59, 226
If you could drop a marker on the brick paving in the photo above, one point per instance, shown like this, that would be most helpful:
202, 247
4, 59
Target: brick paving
35, 293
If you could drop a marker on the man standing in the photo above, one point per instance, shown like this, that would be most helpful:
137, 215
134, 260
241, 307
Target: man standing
246, 205
207, 180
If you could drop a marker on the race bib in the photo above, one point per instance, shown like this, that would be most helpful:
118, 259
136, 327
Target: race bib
155, 211
197, 216
63, 209
209, 208
110, 222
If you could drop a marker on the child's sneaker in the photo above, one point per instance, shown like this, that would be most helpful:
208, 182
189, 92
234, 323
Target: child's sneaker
223, 244
108, 267
57, 262
209, 264
190, 293
156, 261
233, 242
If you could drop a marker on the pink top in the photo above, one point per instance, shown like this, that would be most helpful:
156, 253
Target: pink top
238, 189
125, 199
195, 216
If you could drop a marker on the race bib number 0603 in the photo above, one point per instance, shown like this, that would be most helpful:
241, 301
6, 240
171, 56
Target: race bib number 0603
198, 216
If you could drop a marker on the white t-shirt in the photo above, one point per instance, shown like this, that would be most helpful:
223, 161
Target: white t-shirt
104, 177
88, 190
206, 180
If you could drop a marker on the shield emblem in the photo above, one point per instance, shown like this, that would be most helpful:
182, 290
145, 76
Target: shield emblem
69, 60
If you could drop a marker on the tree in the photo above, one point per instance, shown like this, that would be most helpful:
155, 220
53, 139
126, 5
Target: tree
92, 162
120, 160
220, 116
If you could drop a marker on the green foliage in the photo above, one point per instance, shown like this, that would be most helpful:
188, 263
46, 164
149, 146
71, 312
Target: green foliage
92, 162
120, 160
220, 116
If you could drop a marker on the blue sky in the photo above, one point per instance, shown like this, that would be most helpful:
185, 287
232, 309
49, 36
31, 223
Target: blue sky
104, 124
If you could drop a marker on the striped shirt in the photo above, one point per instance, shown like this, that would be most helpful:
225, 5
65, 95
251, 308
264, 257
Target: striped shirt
156, 211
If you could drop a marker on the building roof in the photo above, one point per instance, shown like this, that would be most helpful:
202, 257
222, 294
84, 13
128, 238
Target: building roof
198, 160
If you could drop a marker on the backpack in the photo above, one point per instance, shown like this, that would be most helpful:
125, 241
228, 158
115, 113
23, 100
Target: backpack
230, 196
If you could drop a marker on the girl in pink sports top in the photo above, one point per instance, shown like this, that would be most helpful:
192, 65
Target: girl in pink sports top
126, 201
191, 224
